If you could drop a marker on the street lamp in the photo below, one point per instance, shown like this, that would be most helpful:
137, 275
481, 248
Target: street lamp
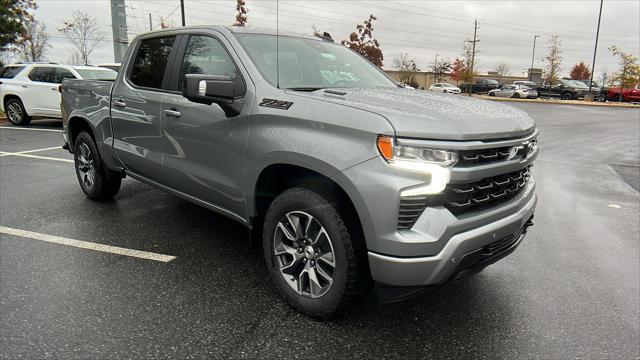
533, 56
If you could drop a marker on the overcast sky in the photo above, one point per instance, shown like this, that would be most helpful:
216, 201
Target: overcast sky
420, 28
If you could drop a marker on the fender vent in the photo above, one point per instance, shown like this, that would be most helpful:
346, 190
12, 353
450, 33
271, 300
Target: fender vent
276, 104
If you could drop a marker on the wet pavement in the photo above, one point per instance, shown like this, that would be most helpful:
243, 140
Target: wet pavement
570, 290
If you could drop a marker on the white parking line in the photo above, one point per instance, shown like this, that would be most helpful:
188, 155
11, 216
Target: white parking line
87, 245
6, 153
3, 153
29, 129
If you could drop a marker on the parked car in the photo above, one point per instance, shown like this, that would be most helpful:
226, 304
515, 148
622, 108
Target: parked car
481, 86
529, 84
113, 66
444, 88
404, 188
505, 91
514, 91
595, 90
624, 94
599, 92
31, 89
563, 89
525, 92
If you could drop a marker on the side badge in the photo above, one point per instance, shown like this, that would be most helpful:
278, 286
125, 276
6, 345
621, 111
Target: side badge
276, 104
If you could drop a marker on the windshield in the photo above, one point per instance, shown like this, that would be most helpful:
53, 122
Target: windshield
97, 74
447, 85
579, 84
307, 64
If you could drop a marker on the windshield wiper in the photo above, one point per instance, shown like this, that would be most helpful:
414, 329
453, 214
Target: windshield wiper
309, 89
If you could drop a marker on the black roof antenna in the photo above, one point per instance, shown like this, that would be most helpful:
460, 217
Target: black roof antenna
325, 36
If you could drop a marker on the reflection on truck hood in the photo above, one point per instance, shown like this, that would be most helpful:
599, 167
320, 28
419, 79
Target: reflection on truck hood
423, 114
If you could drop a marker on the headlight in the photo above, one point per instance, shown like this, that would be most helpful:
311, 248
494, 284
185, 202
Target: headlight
432, 162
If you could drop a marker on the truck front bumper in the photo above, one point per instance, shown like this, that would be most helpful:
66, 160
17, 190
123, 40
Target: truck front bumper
465, 253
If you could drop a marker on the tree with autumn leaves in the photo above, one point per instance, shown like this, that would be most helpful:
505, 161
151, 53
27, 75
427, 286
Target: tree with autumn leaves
241, 16
580, 71
363, 42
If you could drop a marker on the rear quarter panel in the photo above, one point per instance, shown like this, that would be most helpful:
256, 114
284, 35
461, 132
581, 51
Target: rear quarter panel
89, 101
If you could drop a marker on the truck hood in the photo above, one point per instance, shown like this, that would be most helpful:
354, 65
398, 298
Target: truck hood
428, 115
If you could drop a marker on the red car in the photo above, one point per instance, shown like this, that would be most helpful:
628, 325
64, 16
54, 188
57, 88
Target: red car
624, 94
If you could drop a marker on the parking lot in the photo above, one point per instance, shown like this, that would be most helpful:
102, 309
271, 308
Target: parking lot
570, 290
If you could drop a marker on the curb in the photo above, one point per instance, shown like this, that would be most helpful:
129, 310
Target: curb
562, 102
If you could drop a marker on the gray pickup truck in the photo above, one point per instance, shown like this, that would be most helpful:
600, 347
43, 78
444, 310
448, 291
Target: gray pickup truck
348, 181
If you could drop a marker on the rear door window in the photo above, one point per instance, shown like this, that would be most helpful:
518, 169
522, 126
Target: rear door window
10, 72
43, 74
151, 61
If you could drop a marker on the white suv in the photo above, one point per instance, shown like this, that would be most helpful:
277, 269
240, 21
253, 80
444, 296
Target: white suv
31, 89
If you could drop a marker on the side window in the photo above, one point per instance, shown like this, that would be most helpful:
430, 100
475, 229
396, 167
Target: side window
206, 55
10, 72
151, 61
62, 74
43, 74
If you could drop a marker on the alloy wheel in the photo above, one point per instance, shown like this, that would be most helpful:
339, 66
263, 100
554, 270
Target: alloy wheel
14, 111
86, 167
304, 254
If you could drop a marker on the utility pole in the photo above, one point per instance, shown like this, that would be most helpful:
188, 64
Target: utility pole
473, 53
150, 23
435, 69
595, 49
533, 56
119, 29
182, 10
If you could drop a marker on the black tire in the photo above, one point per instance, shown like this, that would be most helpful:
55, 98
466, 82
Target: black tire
96, 181
492, 94
16, 113
351, 278
516, 95
567, 96
618, 98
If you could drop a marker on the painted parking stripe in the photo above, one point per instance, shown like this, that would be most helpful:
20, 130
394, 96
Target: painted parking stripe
2, 153
6, 153
87, 245
28, 129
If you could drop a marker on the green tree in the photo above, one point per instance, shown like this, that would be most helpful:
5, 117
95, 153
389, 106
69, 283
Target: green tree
629, 73
14, 16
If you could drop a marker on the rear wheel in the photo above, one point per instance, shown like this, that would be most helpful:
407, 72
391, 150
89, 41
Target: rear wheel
16, 113
316, 261
96, 181
618, 97
516, 95
567, 96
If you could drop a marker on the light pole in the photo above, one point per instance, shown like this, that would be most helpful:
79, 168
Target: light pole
533, 56
435, 69
595, 49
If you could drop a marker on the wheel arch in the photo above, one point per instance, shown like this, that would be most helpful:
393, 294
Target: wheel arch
277, 177
10, 96
75, 126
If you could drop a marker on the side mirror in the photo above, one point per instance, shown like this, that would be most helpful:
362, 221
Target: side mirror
209, 89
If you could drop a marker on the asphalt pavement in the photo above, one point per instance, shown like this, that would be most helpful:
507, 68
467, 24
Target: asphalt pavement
571, 290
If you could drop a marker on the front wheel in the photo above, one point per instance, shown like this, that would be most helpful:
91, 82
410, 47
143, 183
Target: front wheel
96, 181
567, 96
16, 112
316, 261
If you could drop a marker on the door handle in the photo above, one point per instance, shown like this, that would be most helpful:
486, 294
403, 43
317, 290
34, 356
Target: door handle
54, 88
172, 113
119, 103
24, 86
